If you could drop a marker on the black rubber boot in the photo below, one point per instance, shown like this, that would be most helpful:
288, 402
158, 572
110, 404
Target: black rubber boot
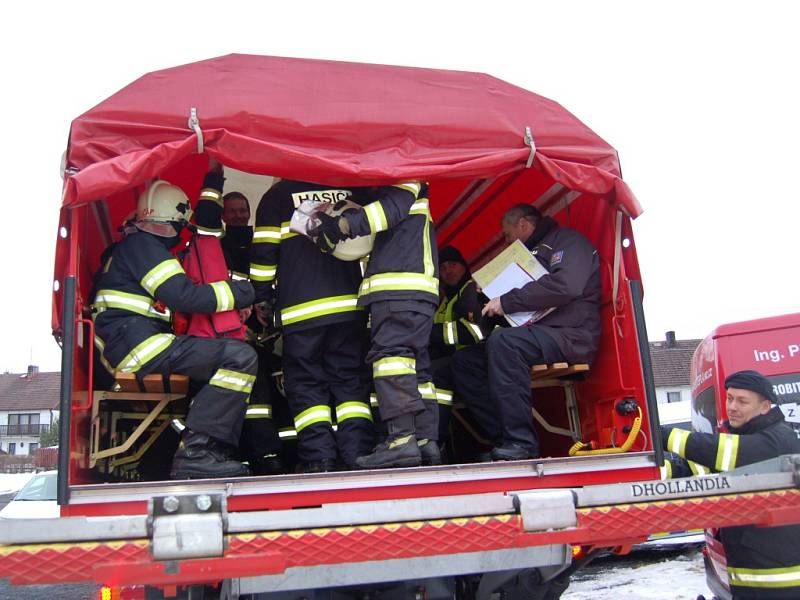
317, 466
399, 450
429, 450
514, 451
267, 465
199, 456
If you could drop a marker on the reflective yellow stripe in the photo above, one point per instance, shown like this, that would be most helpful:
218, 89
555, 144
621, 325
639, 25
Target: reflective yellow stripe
217, 233
427, 391
236, 276
450, 333
267, 235
144, 352
779, 577
352, 410
212, 195
262, 272
142, 305
444, 396
373, 400
315, 414
289, 433
420, 207
287, 233
376, 217
727, 451
399, 282
222, 290
159, 274
259, 411
318, 308
394, 365
666, 470
101, 346
233, 380
427, 257
677, 441
473, 329
409, 186
698, 469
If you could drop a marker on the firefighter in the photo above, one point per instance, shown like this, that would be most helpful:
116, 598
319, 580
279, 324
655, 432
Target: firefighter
401, 289
762, 562
259, 444
455, 326
138, 286
324, 329
493, 379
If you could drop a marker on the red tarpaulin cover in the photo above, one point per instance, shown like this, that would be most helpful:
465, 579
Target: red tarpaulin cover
334, 122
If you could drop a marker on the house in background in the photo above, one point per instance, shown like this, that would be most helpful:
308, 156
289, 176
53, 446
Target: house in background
672, 361
28, 407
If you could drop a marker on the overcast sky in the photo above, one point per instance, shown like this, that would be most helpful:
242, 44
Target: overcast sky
700, 99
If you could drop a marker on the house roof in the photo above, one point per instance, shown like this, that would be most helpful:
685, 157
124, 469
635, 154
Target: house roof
37, 391
672, 363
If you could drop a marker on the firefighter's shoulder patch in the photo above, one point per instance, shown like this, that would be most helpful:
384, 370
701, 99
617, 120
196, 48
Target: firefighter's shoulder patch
556, 258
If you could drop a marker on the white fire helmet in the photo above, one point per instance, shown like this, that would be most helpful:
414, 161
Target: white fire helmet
355, 248
161, 205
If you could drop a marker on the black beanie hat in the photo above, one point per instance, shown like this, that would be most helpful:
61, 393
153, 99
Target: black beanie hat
451, 254
753, 381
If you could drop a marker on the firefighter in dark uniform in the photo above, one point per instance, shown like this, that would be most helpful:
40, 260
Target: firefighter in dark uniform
401, 289
494, 379
324, 329
455, 326
762, 562
137, 287
259, 444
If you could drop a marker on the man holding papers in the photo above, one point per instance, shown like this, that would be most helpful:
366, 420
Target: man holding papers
562, 304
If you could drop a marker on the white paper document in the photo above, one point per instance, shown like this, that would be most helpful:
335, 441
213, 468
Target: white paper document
512, 277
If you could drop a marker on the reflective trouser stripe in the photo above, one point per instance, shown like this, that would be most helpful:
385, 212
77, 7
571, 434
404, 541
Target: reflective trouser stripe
236, 276
233, 380
144, 352
287, 433
427, 391
473, 329
444, 396
211, 194
222, 290
101, 346
319, 308
376, 217
394, 365
399, 282
159, 274
373, 400
259, 411
677, 441
141, 305
262, 272
666, 470
779, 577
352, 410
698, 469
267, 235
315, 414
727, 451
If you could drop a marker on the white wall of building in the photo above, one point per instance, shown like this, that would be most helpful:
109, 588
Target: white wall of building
683, 390
21, 443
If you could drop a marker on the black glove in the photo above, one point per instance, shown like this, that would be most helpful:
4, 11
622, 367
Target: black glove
329, 232
243, 293
215, 180
208, 215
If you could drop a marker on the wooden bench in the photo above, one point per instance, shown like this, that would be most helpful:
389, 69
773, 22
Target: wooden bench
153, 391
559, 374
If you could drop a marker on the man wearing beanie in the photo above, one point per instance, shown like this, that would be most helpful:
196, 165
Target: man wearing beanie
455, 326
762, 562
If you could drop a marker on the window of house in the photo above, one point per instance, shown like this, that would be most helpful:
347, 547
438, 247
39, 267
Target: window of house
673, 396
27, 423
12, 448
32, 448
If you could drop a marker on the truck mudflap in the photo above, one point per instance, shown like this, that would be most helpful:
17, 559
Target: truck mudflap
544, 523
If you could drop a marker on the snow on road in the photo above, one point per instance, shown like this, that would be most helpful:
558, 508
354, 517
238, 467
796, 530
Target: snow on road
667, 575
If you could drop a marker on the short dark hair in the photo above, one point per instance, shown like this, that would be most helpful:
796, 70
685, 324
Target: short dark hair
236, 196
522, 211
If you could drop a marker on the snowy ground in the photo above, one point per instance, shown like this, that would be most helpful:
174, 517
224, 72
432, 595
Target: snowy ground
11, 482
644, 575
